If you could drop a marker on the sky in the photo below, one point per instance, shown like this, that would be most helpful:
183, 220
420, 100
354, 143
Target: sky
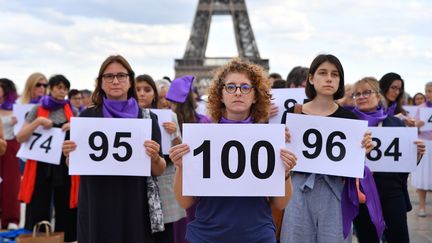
73, 37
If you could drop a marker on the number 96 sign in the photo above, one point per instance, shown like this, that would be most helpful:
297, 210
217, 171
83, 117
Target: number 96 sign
233, 160
327, 145
109, 146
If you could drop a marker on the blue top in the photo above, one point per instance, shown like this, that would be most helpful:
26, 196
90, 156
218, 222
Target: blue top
232, 219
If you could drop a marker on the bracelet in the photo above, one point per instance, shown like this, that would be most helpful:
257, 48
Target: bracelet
288, 176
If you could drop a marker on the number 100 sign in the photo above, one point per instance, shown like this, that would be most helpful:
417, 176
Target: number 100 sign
233, 160
109, 146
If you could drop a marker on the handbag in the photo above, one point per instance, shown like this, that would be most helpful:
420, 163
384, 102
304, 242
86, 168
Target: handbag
38, 237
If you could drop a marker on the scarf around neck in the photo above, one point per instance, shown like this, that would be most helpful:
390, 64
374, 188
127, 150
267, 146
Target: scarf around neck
50, 103
225, 120
120, 108
373, 117
7, 105
428, 103
391, 109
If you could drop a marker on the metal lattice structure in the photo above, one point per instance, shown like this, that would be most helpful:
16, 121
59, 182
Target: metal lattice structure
194, 61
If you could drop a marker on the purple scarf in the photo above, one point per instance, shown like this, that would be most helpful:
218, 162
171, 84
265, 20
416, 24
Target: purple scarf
225, 120
428, 103
48, 102
373, 118
391, 109
35, 101
350, 202
7, 105
120, 108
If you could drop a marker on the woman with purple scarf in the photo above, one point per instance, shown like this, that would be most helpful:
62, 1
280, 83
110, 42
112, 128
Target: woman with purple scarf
120, 208
239, 93
43, 183
392, 187
422, 176
35, 87
9, 166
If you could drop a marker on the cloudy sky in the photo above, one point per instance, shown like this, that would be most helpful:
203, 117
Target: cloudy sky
73, 37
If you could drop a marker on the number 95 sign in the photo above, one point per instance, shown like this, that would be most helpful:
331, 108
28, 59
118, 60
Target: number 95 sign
233, 160
109, 146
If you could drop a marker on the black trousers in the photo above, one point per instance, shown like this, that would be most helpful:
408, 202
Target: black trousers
395, 216
52, 190
166, 236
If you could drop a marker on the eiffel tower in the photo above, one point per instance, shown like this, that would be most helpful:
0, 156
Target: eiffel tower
194, 61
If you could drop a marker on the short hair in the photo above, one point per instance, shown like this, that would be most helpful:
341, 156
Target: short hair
320, 59
385, 82
57, 80
297, 75
85, 93
72, 93
149, 80
31, 82
260, 109
9, 90
279, 84
98, 93
275, 76
373, 83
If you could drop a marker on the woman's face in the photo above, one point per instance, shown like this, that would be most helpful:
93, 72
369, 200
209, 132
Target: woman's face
40, 88
145, 94
419, 99
325, 79
1, 94
59, 91
394, 91
115, 82
238, 95
366, 99
163, 102
428, 93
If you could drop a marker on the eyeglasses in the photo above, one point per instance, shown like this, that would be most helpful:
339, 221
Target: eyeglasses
38, 85
365, 94
109, 77
244, 88
396, 88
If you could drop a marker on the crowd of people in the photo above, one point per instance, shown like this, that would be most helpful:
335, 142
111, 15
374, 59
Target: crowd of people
115, 208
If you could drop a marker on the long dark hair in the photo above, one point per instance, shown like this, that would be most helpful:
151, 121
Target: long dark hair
9, 90
385, 83
186, 111
149, 80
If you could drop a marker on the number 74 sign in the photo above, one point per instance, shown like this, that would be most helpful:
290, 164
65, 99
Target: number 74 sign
45, 145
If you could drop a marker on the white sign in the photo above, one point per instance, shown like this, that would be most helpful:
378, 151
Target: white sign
395, 150
20, 111
327, 145
426, 116
109, 146
44, 145
411, 110
284, 99
234, 160
164, 116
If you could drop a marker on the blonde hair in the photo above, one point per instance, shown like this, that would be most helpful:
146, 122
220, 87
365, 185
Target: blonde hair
260, 109
374, 84
30, 85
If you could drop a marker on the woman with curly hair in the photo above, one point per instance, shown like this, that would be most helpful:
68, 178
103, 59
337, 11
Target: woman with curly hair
239, 93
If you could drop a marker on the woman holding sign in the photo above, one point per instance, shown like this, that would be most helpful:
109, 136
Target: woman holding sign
314, 214
43, 182
239, 93
392, 187
9, 166
119, 208
148, 98
422, 176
